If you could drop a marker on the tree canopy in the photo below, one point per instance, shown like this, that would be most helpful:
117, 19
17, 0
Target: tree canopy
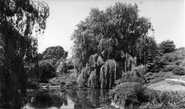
53, 55
145, 47
112, 32
167, 46
54, 52
19, 19
117, 35
46, 71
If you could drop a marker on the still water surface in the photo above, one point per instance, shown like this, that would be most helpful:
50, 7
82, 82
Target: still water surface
69, 99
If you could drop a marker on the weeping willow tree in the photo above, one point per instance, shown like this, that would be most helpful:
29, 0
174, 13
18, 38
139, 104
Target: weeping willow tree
19, 21
115, 35
146, 47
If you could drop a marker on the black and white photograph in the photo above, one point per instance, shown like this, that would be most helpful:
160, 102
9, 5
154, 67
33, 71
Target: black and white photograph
92, 54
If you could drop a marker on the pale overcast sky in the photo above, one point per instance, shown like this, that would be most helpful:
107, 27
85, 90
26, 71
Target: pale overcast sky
167, 18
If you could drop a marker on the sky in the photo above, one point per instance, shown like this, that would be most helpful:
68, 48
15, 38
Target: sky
166, 16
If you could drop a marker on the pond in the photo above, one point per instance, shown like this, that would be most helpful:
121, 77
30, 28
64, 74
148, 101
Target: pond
69, 99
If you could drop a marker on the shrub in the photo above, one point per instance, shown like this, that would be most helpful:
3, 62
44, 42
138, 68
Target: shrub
129, 93
54, 52
46, 71
179, 71
157, 65
64, 65
141, 70
159, 98
62, 68
170, 57
175, 57
183, 63
128, 77
52, 61
169, 68
137, 75
135, 94
167, 46
166, 99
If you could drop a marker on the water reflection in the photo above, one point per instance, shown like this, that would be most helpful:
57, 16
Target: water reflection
70, 99
46, 99
89, 98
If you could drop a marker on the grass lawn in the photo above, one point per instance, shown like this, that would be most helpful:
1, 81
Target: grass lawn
174, 83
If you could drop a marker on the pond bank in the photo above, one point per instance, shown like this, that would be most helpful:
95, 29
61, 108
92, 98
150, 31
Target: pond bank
70, 98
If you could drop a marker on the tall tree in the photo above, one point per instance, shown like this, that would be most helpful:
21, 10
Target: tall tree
19, 19
53, 55
146, 47
54, 52
167, 46
106, 42
110, 33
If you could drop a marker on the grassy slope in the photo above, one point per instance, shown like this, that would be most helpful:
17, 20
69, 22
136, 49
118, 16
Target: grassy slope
166, 80
168, 85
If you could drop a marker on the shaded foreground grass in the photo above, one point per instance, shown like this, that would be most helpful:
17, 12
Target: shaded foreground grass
134, 95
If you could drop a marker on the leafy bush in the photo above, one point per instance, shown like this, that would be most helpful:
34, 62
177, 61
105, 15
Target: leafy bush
159, 98
165, 99
141, 70
183, 63
62, 68
46, 71
156, 77
129, 93
179, 71
132, 93
174, 57
170, 57
50, 61
169, 68
64, 65
54, 52
167, 46
137, 75
53, 55
128, 77
157, 64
